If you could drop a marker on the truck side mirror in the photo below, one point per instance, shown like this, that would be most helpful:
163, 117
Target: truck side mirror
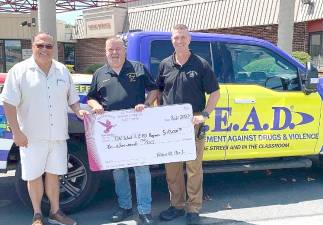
275, 83
311, 79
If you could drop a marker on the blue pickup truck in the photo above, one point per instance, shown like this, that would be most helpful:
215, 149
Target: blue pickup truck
270, 112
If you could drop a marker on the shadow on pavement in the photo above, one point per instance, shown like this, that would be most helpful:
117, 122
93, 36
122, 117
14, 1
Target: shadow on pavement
255, 189
222, 192
216, 221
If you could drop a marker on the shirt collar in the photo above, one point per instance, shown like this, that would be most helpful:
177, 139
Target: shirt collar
126, 65
188, 62
31, 64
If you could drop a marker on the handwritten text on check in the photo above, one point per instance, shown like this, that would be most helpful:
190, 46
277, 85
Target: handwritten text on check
125, 138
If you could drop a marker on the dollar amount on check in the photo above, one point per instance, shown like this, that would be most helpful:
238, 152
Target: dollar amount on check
125, 138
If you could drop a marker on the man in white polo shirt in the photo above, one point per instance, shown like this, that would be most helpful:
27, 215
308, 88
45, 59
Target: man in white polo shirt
36, 96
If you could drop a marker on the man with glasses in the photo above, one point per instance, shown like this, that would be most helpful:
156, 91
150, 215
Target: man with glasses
121, 84
36, 96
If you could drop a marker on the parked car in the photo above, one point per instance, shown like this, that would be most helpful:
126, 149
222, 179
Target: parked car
269, 115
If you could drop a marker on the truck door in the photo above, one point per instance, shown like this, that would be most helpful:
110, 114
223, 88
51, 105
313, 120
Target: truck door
268, 114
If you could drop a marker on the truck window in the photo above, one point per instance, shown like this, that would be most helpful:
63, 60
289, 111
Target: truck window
258, 65
202, 48
222, 61
160, 49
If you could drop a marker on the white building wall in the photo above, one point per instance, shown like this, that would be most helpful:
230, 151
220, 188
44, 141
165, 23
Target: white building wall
213, 14
100, 22
10, 26
147, 2
64, 32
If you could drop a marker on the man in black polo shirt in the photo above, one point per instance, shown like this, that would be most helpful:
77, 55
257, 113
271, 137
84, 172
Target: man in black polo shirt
185, 78
121, 84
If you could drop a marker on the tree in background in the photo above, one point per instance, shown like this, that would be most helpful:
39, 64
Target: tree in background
302, 57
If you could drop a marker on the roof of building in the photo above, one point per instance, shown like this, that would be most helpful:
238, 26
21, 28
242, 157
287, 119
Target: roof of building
213, 14
25, 6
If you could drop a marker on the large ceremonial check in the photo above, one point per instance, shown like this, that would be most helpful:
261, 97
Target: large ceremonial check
125, 138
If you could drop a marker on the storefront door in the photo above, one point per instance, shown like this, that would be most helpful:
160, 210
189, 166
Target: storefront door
316, 48
13, 53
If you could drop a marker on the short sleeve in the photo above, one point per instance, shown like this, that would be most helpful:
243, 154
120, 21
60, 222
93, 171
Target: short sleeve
210, 82
73, 96
160, 80
150, 84
93, 93
11, 92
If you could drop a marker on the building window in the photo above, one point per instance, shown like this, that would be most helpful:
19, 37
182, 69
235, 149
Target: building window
69, 54
316, 48
12, 53
159, 51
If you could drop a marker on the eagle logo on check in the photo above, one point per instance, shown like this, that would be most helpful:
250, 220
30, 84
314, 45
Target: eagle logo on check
108, 125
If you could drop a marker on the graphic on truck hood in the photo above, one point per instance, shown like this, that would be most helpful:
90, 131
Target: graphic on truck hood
4, 127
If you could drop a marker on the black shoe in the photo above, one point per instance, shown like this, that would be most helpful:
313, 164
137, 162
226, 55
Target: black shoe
192, 219
171, 213
121, 214
146, 219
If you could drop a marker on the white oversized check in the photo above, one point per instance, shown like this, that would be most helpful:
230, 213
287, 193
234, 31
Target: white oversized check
125, 138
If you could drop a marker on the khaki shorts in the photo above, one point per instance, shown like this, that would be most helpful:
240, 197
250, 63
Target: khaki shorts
43, 156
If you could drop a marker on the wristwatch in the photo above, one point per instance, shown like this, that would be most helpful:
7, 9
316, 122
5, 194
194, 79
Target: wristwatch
205, 114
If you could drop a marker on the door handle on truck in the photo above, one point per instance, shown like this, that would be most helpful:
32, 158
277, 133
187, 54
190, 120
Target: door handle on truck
244, 101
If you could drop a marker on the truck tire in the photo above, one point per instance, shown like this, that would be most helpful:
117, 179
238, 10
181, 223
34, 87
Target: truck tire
77, 187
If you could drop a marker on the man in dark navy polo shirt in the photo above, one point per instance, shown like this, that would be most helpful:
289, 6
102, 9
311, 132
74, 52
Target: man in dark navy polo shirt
121, 84
185, 78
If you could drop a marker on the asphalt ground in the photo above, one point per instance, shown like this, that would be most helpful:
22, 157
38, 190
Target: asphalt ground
277, 197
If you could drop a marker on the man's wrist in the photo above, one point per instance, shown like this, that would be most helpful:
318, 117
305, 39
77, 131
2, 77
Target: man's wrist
205, 114
15, 130
147, 104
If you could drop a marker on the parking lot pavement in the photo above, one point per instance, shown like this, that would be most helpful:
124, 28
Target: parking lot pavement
282, 197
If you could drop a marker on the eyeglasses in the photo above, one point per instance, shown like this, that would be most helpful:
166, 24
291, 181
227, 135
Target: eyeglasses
114, 49
44, 46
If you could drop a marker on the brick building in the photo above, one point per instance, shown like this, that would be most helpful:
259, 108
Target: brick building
258, 18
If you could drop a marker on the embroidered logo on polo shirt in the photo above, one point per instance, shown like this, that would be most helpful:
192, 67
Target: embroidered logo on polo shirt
191, 74
132, 77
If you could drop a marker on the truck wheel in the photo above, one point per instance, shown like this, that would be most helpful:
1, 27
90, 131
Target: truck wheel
77, 187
